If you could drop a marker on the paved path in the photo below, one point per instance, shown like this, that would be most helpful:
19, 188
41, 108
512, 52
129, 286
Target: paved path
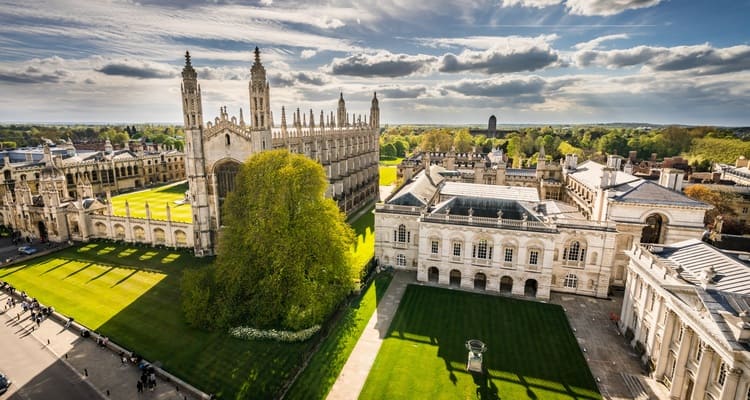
352, 377
100, 368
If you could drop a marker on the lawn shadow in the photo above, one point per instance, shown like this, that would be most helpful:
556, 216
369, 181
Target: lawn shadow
105, 272
56, 267
175, 189
515, 331
126, 277
77, 271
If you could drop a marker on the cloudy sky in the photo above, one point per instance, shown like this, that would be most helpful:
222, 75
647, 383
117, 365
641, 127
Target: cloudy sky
431, 61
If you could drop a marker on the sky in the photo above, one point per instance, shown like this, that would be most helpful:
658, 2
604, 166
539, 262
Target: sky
430, 61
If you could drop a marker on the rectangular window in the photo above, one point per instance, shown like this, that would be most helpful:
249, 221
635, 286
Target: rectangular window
744, 210
722, 377
508, 255
434, 248
534, 257
456, 249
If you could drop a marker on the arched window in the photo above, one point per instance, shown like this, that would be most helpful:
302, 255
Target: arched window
571, 281
401, 233
722, 375
227, 140
401, 260
482, 250
574, 252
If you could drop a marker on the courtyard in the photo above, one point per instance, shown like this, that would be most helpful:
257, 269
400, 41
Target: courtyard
532, 352
157, 199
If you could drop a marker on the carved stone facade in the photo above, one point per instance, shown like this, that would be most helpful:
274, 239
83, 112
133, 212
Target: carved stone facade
346, 146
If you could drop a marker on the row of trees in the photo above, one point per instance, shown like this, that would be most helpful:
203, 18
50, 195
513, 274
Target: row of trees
702, 144
34, 135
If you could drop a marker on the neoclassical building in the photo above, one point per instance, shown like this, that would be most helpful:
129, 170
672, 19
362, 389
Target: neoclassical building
560, 227
346, 145
686, 311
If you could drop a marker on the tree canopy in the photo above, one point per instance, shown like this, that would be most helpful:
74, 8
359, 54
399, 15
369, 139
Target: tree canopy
283, 256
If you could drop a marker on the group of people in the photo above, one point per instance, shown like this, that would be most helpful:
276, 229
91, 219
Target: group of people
37, 312
148, 378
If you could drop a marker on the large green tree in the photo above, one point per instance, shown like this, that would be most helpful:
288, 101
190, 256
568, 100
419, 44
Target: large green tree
283, 252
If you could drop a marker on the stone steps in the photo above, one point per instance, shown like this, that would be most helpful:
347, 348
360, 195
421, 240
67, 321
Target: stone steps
635, 387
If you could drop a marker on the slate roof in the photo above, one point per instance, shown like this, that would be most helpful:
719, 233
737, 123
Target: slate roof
589, 173
489, 191
520, 172
732, 274
645, 191
420, 190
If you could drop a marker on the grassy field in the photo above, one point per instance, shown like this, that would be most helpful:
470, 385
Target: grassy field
364, 249
393, 162
531, 351
318, 377
132, 295
157, 199
387, 175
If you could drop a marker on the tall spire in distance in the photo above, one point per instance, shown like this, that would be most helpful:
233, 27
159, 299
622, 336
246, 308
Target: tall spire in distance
260, 109
375, 111
341, 115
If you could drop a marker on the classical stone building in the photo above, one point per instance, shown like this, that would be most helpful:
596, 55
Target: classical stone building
52, 193
346, 146
686, 310
601, 208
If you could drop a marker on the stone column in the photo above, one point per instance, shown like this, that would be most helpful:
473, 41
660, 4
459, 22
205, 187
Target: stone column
704, 368
729, 391
627, 303
682, 356
666, 341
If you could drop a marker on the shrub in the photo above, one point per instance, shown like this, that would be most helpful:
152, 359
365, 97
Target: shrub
248, 333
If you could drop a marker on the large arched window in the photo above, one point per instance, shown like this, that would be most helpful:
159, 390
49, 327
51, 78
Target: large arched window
401, 237
576, 251
571, 281
227, 139
226, 172
652, 232
482, 250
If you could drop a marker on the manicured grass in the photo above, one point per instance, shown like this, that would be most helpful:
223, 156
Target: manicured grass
531, 351
320, 374
387, 175
157, 199
364, 249
394, 162
132, 295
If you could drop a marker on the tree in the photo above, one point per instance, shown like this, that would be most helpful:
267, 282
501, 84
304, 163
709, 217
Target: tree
283, 254
462, 141
722, 202
436, 140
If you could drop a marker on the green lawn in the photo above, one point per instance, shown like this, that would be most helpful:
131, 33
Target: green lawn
132, 295
531, 351
318, 377
157, 199
364, 249
387, 175
393, 162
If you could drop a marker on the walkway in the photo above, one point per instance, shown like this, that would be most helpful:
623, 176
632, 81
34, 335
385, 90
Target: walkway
352, 378
101, 368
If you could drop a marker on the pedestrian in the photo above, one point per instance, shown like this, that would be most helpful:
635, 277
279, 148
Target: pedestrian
139, 386
70, 321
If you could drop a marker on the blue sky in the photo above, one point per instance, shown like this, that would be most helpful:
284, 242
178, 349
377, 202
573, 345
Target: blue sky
436, 61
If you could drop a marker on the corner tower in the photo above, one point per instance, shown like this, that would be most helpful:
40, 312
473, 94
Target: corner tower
375, 112
341, 113
260, 114
195, 160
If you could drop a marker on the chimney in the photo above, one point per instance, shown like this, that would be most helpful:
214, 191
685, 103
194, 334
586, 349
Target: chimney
707, 277
671, 178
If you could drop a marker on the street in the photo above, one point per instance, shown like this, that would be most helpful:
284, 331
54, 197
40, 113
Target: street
35, 372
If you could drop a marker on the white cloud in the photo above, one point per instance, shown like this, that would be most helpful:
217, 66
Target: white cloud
488, 42
595, 43
606, 7
530, 3
382, 64
511, 56
307, 53
700, 59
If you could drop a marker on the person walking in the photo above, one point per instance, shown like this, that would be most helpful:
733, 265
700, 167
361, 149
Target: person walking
139, 386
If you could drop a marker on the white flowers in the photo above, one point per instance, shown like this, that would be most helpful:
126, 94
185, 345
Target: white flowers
248, 333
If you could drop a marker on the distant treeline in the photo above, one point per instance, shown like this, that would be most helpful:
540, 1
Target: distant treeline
700, 145
33, 135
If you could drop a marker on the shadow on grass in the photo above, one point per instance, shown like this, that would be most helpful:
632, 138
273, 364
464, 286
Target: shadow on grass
532, 341
56, 267
176, 189
125, 278
101, 274
77, 271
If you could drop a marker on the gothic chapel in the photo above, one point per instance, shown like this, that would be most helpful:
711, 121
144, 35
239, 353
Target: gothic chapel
346, 146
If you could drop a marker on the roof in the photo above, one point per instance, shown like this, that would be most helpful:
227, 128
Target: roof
645, 191
520, 172
420, 190
489, 191
589, 173
732, 274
